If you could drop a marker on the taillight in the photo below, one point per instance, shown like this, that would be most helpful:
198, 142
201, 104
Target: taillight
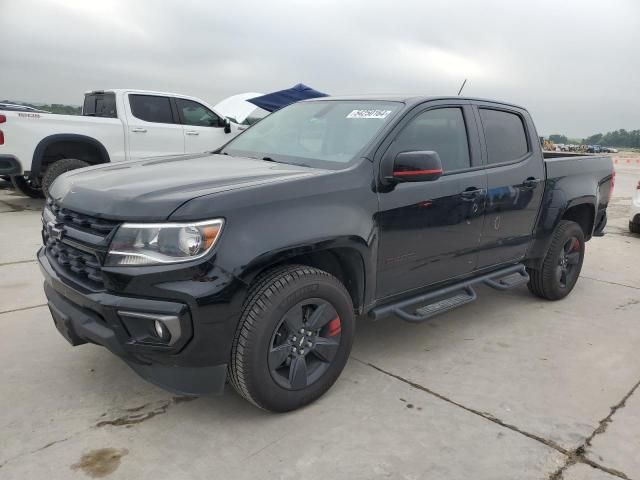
638, 186
3, 118
613, 182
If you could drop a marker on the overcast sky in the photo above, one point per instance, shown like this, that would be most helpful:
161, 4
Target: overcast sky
574, 64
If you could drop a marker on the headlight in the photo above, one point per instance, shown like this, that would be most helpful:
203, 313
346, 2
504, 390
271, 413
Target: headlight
160, 243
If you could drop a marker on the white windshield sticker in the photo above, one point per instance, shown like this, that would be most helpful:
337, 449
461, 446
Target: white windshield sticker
369, 114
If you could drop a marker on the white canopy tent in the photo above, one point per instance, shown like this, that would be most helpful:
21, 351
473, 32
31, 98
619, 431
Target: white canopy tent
238, 110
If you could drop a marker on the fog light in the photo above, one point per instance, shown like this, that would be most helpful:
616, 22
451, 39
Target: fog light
162, 331
151, 327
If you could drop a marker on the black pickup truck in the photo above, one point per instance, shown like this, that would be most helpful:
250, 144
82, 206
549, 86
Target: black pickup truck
253, 262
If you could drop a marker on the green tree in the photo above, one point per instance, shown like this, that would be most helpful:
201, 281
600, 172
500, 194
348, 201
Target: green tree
557, 138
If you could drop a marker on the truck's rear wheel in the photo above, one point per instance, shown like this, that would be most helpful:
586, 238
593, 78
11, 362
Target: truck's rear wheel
562, 264
26, 186
58, 168
293, 339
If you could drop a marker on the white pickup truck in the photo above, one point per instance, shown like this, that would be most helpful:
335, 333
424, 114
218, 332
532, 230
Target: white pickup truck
115, 125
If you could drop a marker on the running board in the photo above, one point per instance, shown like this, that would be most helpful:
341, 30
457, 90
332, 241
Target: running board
423, 307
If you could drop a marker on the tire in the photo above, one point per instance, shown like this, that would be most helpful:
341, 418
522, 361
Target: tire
566, 253
26, 186
263, 340
58, 168
634, 227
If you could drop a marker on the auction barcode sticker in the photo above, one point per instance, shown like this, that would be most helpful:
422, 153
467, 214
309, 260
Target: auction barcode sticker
369, 114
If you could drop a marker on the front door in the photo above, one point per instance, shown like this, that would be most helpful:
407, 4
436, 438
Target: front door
430, 231
203, 129
516, 184
152, 127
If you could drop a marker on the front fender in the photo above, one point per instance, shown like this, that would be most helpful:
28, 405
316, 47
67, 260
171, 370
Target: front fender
272, 223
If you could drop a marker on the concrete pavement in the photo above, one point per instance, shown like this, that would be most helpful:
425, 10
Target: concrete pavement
510, 387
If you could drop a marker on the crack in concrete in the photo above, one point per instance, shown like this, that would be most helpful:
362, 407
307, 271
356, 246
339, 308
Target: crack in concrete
485, 415
39, 449
17, 262
577, 455
23, 308
610, 282
131, 418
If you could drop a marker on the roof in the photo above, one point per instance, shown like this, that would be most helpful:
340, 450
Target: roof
411, 100
143, 92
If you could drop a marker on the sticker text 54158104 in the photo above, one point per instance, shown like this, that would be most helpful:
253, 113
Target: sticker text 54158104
369, 114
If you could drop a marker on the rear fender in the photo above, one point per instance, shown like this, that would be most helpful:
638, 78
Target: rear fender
41, 148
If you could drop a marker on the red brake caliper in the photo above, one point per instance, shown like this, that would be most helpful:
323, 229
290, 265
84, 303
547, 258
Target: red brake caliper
334, 327
576, 245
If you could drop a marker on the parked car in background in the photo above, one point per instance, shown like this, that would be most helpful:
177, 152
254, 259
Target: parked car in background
253, 262
609, 150
14, 107
634, 217
116, 125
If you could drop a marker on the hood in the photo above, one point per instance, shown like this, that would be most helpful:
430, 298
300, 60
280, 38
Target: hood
151, 189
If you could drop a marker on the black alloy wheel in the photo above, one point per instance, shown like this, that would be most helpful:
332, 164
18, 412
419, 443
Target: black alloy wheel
304, 344
560, 269
567, 271
293, 337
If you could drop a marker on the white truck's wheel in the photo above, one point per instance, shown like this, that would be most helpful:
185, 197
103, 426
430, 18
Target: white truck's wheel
58, 168
26, 186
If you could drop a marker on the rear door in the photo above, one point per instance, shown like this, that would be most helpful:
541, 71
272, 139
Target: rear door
203, 128
153, 128
515, 173
430, 231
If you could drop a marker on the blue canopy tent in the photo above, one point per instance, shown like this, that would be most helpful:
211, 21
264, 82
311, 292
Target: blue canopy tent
276, 100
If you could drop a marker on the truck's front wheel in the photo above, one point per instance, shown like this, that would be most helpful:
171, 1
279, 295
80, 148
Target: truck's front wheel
58, 168
562, 263
293, 339
26, 186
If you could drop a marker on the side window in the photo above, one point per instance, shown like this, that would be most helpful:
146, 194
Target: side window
197, 115
504, 134
442, 130
151, 108
100, 105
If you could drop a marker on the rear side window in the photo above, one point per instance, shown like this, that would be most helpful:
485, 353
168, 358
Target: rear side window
100, 105
151, 108
441, 130
505, 135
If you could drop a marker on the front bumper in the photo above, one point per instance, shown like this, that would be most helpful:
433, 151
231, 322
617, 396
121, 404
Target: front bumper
196, 365
9, 165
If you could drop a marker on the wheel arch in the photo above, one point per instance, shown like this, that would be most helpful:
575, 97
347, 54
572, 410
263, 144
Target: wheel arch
581, 210
345, 262
583, 214
82, 147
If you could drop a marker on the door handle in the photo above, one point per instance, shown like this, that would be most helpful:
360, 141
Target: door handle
531, 183
192, 132
471, 194
139, 130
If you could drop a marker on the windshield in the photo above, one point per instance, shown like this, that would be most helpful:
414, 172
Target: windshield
325, 131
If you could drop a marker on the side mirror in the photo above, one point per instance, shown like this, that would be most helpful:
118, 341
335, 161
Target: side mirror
227, 126
422, 166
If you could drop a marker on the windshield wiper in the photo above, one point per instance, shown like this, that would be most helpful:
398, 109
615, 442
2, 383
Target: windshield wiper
269, 159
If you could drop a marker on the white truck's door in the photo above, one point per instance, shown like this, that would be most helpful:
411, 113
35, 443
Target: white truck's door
152, 126
203, 128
